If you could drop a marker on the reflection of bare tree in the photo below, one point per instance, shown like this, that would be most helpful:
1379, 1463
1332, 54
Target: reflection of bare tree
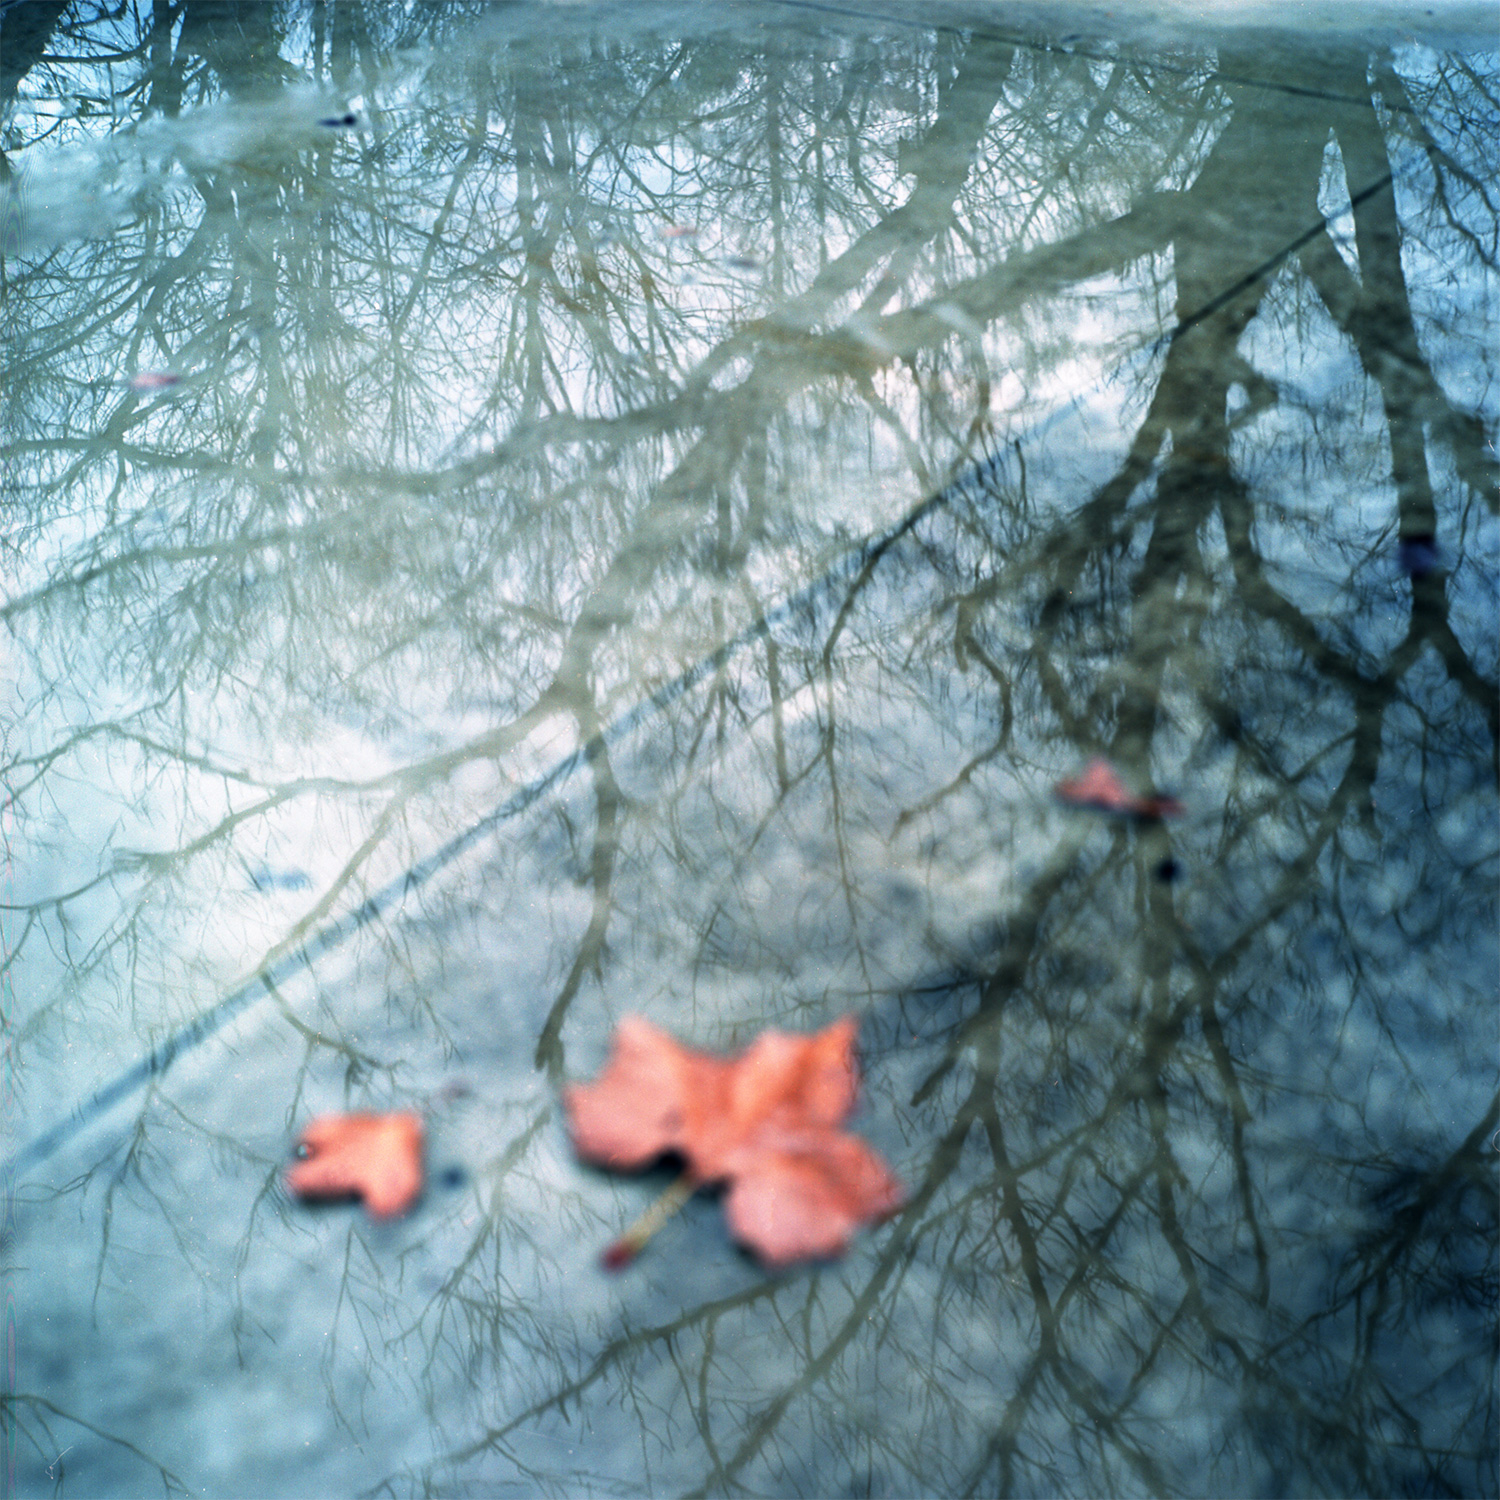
465, 444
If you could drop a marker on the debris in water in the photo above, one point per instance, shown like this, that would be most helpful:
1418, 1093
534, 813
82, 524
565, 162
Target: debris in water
148, 382
1418, 554
1098, 786
264, 878
767, 1123
374, 1157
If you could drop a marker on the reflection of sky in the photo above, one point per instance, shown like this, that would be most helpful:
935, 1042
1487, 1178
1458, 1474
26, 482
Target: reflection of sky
853, 838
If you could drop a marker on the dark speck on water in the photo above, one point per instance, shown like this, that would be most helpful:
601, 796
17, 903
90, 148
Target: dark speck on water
1418, 554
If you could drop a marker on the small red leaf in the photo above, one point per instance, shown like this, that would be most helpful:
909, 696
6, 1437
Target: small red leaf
148, 382
1099, 786
374, 1157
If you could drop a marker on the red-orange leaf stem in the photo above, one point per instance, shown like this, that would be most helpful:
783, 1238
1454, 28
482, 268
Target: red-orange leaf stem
634, 1240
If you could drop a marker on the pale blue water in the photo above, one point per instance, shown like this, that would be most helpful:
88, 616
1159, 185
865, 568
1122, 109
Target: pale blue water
641, 521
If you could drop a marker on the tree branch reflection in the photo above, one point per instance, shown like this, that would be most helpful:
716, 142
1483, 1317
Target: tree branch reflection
503, 412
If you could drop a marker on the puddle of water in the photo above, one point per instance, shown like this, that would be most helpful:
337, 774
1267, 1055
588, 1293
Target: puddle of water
522, 521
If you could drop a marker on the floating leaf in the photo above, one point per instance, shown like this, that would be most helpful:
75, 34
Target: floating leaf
149, 382
1099, 786
374, 1157
766, 1123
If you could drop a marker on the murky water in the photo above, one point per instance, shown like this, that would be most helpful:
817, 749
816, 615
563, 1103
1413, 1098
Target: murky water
517, 517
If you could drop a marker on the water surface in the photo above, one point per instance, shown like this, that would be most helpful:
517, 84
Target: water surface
520, 516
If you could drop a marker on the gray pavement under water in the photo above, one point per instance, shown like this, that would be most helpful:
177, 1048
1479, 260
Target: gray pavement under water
517, 516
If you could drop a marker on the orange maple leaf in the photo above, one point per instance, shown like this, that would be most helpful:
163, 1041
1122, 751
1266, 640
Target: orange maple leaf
374, 1157
767, 1123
